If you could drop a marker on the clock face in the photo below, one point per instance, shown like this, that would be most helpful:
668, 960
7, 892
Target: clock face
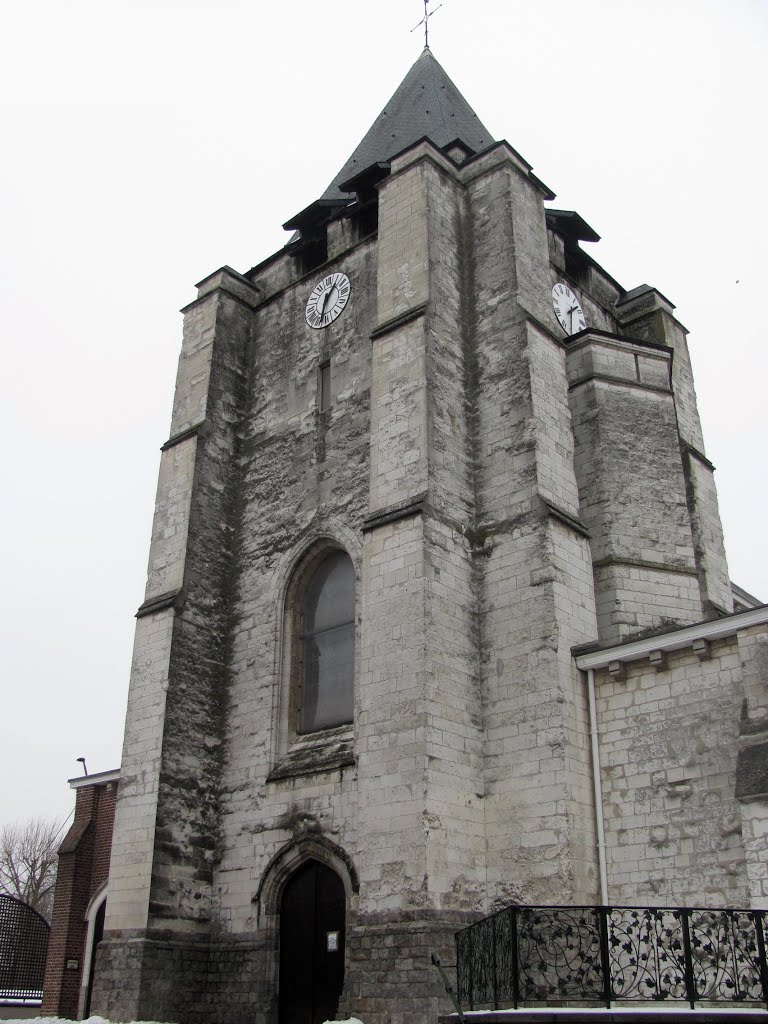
328, 299
567, 309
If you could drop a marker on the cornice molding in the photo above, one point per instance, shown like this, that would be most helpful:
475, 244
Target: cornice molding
696, 454
184, 435
675, 640
622, 382
97, 779
554, 512
394, 513
159, 604
414, 313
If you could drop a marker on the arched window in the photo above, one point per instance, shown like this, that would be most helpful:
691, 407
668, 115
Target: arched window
325, 644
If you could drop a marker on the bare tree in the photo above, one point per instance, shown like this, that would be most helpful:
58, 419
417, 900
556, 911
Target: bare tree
28, 862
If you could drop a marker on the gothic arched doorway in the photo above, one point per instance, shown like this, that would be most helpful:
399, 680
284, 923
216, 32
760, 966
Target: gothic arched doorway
312, 922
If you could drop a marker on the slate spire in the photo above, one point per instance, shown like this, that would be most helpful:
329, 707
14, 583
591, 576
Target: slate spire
425, 104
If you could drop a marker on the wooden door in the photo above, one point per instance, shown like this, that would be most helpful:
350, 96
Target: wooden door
312, 919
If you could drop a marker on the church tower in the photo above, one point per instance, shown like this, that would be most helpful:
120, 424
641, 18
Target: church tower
416, 458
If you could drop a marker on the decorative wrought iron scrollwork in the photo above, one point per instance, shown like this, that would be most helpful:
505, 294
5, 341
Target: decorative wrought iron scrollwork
556, 955
645, 952
559, 955
725, 955
505, 930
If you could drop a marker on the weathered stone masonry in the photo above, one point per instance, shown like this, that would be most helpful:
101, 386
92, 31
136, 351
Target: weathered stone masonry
506, 494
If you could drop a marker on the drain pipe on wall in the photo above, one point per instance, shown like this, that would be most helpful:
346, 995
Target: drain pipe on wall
596, 781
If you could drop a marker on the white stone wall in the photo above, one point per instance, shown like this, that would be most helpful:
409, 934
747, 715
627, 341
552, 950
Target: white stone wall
668, 753
140, 813
399, 441
136, 812
537, 595
133, 844
167, 552
466, 457
305, 482
403, 245
708, 533
632, 487
753, 654
649, 316
754, 826
393, 719
193, 375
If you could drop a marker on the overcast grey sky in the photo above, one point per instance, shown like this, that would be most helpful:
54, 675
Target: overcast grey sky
146, 143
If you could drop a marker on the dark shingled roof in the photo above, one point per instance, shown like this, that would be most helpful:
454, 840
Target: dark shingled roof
425, 104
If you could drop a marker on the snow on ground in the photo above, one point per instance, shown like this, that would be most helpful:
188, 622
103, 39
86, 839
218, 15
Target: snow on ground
656, 1011
64, 1020
103, 1020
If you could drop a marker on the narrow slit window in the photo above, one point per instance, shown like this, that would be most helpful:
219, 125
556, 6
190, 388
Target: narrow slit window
325, 386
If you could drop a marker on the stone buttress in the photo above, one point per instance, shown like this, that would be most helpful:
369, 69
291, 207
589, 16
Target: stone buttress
166, 824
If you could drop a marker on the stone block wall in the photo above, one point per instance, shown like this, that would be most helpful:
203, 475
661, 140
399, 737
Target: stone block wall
391, 977
166, 827
668, 736
752, 761
632, 486
135, 814
647, 315
140, 976
304, 483
709, 548
503, 497
536, 597
399, 438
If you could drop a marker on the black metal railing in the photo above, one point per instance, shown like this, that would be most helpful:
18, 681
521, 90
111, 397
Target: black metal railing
536, 956
23, 950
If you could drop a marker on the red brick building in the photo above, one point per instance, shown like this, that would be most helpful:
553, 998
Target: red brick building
80, 900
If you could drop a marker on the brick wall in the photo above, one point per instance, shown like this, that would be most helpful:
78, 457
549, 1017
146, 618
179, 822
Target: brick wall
83, 868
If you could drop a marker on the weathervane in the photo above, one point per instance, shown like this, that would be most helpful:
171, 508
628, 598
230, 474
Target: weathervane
425, 20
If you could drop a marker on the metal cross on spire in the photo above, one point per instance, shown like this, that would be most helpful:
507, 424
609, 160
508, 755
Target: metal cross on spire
425, 20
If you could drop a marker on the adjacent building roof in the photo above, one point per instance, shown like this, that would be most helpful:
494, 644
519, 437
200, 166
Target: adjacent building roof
426, 104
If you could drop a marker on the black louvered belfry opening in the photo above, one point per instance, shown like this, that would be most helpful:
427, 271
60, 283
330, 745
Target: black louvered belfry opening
23, 949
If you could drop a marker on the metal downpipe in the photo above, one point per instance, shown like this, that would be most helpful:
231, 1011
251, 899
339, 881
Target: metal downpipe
598, 788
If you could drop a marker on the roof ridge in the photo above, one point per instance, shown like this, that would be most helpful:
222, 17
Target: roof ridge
433, 77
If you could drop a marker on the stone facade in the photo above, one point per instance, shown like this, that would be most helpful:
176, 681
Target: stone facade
507, 494
685, 817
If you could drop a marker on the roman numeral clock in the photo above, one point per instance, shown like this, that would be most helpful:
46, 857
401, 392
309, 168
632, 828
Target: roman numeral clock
327, 300
567, 309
